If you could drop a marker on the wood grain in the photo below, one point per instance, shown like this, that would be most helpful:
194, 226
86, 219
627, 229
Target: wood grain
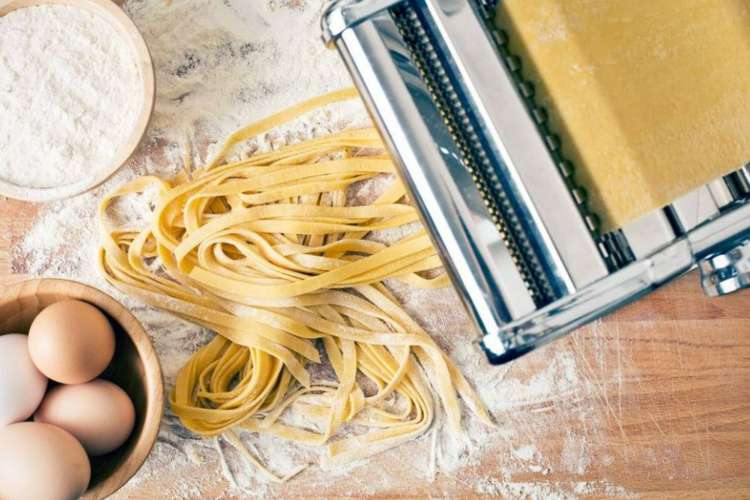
110, 11
135, 368
658, 406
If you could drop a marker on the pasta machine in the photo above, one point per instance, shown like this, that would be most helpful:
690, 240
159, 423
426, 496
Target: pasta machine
526, 255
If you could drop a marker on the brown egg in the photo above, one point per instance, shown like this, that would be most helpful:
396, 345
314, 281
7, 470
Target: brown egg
42, 462
99, 414
71, 342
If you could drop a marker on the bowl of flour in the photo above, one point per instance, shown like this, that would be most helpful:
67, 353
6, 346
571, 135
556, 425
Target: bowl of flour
76, 95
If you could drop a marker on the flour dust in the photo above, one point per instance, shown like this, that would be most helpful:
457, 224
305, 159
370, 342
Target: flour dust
69, 87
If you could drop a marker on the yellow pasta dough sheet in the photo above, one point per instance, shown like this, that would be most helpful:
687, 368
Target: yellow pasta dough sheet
651, 98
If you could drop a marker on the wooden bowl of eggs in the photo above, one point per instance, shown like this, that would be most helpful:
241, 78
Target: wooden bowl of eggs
81, 393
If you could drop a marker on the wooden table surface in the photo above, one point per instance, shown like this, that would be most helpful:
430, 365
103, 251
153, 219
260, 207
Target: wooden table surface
662, 407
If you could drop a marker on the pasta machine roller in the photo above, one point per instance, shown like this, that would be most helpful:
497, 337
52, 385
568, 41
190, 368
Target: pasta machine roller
524, 252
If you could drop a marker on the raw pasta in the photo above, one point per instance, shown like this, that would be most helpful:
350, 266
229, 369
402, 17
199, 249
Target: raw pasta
650, 98
265, 252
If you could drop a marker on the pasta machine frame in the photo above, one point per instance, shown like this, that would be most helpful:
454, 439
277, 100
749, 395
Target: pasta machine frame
495, 192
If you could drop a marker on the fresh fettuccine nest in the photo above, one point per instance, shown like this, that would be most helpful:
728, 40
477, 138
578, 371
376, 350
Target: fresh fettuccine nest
266, 253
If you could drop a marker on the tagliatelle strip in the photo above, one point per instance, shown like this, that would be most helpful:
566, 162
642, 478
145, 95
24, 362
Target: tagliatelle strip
266, 253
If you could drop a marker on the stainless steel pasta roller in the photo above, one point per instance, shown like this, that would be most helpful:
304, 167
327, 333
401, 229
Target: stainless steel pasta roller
525, 253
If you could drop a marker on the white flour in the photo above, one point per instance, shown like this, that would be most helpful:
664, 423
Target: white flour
221, 65
69, 88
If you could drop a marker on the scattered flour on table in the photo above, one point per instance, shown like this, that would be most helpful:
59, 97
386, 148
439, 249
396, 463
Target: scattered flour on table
69, 87
549, 490
221, 65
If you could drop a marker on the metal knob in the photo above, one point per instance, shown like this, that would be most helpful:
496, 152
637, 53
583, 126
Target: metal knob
725, 273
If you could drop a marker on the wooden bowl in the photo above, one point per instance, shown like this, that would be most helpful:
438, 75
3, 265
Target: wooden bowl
113, 14
135, 368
